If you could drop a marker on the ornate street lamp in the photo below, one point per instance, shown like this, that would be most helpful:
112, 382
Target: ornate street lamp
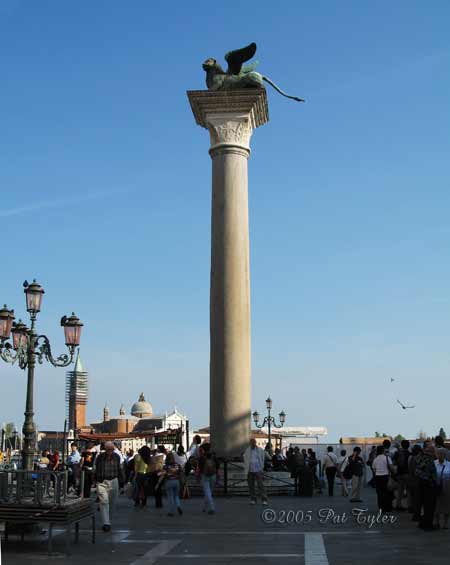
6, 322
269, 420
26, 347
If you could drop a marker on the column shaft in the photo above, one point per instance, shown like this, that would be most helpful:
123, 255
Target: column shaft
230, 365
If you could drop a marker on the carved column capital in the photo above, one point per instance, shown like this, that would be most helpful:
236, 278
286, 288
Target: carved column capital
229, 129
230, 116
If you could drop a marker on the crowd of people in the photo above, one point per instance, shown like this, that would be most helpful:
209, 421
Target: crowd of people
104, 470
414, 479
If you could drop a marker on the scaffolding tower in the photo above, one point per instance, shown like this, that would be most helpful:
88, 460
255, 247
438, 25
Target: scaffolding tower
77, 395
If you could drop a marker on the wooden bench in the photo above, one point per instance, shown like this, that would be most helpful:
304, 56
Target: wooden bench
64, 515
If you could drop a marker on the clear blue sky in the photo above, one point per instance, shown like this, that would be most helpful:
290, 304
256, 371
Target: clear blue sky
105, 199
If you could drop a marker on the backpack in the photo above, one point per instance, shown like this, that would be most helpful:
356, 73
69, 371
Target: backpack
401, 460
356, 466
209, 468
348, 471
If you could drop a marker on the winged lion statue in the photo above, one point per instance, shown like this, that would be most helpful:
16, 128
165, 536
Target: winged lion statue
238, 75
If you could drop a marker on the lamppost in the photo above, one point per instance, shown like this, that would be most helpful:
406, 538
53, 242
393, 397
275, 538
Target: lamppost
15, 436
30, 346
269, 419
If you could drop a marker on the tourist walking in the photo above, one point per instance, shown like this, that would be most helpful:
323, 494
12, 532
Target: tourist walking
207, 469
401, 460
313, 463
329, 469
443, 489
381, 466
172, 474
413, 484
427, 485
180, 457
142, 475
129, 466
342, 465
194, 449
73, 466
356, 466
254, 459
155, 467
108, 473
87, 469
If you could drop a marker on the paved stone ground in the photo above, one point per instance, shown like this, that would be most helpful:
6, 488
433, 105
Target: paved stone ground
238, 534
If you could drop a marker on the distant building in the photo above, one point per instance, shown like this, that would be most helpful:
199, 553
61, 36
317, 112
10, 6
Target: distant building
122, 423
363, 440
141, 421
77, 395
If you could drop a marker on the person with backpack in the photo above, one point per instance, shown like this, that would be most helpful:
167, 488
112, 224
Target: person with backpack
207, 470
172, 474
401, 460
427, 485
142, 475
356, 469
254, 458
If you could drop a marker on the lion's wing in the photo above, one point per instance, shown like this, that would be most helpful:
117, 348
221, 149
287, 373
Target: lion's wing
237, 57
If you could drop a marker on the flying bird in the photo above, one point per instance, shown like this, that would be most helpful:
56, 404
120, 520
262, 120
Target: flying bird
392, 380
404, 405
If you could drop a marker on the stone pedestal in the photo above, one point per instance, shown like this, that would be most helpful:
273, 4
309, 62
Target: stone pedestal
230, 118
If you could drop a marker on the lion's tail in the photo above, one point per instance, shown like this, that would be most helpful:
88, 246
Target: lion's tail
278, 89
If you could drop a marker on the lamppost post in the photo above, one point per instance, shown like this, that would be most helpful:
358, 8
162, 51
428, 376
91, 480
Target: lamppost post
29, 346
28, 425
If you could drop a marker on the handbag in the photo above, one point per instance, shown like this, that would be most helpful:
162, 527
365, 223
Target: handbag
184, 491
156, 464
129, 490
392, 484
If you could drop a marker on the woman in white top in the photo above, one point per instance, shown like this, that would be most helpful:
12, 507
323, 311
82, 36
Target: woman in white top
443, 499
381, 469
180, 457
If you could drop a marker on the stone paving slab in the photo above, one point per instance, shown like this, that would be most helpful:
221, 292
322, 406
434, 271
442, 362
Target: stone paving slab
237, 534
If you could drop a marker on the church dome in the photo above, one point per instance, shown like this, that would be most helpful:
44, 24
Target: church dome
141, 408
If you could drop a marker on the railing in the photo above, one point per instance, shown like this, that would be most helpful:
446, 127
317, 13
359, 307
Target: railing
38, 488
228, 484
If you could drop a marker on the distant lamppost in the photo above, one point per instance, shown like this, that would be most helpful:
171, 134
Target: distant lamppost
15, 436
269, 420
29, 346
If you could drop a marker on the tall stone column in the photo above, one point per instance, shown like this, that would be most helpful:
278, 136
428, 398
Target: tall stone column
230, 118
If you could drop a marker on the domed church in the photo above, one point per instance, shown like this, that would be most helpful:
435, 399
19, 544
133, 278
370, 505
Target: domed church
142, 408
141, 419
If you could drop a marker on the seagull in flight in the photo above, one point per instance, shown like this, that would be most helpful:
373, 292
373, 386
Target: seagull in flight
404, 406
392, 380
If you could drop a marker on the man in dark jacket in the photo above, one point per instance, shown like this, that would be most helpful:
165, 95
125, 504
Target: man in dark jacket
427, 476
108, 472
401, 460
356, 464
